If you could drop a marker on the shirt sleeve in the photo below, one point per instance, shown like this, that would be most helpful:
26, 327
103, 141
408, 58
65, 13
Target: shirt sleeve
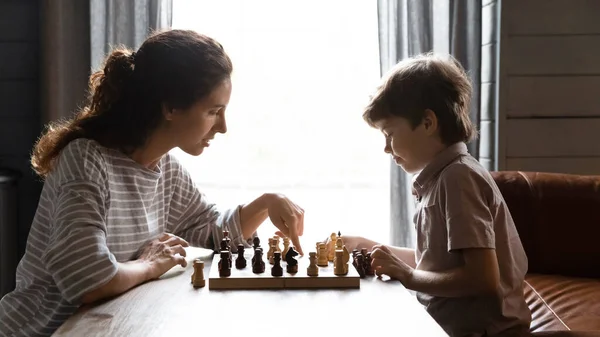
76, 255
469, 219
200, 222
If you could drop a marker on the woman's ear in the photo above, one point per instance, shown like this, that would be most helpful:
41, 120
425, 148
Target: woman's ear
167, 112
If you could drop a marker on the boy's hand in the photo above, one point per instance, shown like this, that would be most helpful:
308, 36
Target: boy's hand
384, 262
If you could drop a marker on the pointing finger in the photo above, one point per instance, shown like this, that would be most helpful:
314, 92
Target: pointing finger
293, 230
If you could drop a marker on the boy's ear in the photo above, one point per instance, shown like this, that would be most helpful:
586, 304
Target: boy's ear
430, 121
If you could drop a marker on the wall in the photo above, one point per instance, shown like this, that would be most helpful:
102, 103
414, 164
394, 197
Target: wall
549, 107
20, 97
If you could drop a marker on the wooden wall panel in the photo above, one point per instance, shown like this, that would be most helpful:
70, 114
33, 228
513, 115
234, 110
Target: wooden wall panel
565, 137
554, 55
551, 17
574, 96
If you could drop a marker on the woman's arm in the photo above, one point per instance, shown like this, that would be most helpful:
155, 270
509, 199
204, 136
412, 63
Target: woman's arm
157, 258
253, 215
129, 275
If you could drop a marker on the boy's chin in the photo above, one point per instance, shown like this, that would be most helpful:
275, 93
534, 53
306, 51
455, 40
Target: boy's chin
410, 169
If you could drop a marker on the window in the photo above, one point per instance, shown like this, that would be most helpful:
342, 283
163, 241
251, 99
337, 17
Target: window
302, 74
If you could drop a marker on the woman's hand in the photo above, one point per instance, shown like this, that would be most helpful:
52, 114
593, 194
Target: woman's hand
384, 262
287, 217
163, 254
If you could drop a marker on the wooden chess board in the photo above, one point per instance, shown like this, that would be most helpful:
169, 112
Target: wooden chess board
246, 279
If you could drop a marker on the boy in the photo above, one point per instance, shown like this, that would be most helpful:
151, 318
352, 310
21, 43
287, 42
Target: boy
468, 266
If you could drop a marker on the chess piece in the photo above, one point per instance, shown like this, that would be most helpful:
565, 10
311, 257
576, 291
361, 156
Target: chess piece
340, 264
256, 242
359, 264
286, 246
225, 264
258, 265
240, 262
290, 259
354, 252
313, 269
224, 248
277, 242
368, 268
339, 243
227, 239
272, 250
331, 247
277, 270
198, 275
322, 260
364, 251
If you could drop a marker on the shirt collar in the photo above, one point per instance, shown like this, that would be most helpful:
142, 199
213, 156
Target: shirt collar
441, 160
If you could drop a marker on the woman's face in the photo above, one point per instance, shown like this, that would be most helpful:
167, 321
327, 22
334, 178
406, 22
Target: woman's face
193, 128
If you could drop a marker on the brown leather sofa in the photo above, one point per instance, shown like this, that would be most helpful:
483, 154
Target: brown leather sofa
558, 219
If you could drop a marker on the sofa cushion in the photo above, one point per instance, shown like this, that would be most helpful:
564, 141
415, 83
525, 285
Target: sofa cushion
563, 303
558, 220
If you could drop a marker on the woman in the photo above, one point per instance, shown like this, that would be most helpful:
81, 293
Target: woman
117, 209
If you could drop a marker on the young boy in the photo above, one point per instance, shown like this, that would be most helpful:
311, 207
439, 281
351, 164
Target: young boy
469, 264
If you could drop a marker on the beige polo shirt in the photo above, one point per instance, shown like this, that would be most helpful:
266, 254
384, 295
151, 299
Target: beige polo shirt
460, 206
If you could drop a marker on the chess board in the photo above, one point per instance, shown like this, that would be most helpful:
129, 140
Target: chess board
246, 279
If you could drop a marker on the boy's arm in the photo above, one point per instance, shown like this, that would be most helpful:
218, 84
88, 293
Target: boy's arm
405, 254
479, 275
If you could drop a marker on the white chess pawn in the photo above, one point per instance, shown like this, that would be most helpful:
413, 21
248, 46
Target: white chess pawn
313, 269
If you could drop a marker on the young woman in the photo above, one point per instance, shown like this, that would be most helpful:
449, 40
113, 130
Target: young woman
117, 209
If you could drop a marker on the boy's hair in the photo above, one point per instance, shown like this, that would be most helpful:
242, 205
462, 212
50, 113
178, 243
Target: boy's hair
426, 81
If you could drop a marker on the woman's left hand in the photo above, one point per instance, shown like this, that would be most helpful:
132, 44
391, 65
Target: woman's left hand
287, 217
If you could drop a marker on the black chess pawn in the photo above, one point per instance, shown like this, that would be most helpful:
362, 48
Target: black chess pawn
240, 262
258, 265
256, 242
290, 259
225, 264
277, 270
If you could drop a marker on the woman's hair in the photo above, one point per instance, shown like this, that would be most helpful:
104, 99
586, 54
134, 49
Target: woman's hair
427, 81
172, 69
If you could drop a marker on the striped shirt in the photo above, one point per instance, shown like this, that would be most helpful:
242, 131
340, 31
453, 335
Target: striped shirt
98, 207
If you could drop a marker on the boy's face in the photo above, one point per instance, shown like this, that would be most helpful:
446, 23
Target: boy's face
411, 148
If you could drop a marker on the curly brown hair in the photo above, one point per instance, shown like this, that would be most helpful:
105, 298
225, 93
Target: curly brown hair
171, 69
427, 81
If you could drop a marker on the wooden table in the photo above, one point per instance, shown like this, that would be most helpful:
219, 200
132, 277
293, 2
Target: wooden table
170, 306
